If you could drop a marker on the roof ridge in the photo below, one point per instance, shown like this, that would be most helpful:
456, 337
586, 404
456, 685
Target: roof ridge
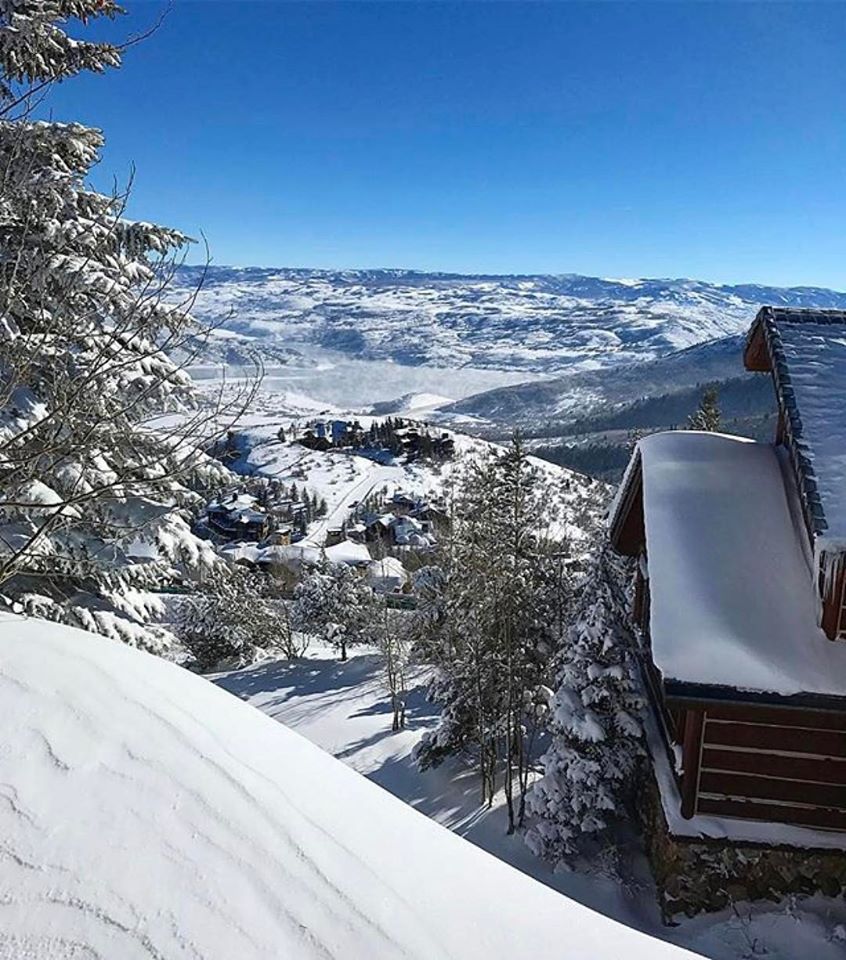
803, 314
798, 445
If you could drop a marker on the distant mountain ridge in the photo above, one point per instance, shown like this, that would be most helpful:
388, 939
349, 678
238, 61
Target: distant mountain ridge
540, 324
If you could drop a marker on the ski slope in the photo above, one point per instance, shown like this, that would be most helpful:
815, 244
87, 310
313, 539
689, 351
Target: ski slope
146, 813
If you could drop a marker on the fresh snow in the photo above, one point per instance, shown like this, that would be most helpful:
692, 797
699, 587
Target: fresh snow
146, 813
345, 709
528, 324
349, 552
732, 593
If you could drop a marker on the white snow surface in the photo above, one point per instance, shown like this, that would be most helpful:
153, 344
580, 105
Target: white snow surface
349, 552
345, 709
732, 594
148, 813
530, 324
816, 360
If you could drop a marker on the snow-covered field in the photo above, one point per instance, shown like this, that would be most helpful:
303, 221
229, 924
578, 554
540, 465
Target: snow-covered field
344, 709
472, 350
146, 813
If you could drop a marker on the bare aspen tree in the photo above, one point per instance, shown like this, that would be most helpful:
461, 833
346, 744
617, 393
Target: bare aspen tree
393, 641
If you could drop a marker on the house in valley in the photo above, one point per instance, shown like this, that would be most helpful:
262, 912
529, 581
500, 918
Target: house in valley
740, 552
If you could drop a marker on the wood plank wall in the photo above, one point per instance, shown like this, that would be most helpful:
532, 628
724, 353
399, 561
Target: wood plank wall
781, 765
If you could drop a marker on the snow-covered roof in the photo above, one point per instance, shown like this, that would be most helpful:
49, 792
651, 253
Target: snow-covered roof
349, 552
291, 554
241, 551
150, 813
389, 568
806, 352
732, 597
235, 501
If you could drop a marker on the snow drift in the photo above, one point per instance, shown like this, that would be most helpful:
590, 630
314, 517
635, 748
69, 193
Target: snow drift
145, 812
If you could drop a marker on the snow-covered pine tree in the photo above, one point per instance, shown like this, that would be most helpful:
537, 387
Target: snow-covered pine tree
595, 725
333, 603
707, 415
87, 486
491, 635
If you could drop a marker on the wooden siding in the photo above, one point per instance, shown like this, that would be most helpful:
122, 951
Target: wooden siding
766, 763
834, 607
756, 356
628, 533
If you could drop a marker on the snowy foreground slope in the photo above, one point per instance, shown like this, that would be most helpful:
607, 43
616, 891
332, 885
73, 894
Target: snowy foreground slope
147, 813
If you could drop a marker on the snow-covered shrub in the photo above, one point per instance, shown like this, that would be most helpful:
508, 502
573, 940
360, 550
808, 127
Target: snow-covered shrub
595, 725
334, 603
234, 617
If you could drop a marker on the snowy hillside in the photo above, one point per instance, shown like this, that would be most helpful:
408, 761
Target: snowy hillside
568, 397
344, 479
147, 813
533, 324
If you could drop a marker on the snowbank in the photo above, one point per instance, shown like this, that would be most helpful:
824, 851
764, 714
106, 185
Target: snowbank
732, 593
147, 813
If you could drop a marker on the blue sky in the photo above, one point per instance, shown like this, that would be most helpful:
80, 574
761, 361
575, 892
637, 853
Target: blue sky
641, 139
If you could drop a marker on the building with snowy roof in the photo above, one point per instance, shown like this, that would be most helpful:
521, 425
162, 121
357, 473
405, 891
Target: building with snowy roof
349, 552
739, 594
387, 575
238, 517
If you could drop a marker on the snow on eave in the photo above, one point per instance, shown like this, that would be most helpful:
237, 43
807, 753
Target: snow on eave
732, 601
812, 466
616, 514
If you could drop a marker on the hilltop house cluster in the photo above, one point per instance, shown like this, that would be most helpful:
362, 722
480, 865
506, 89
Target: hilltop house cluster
401, 521
383, 441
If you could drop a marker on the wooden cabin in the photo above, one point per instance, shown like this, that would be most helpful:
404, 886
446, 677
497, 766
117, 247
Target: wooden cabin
739, 591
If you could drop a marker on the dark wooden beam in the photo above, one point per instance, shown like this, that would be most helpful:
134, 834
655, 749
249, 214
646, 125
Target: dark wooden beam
691, 750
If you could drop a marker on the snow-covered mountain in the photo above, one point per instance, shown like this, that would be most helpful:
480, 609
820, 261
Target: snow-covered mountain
566, 398
536, 324
148, 813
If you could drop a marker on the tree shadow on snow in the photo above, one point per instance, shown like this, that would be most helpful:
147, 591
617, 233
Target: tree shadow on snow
301, 678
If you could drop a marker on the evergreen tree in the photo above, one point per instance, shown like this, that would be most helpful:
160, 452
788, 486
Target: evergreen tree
707, 415
595, 726
85, 339
493, 638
